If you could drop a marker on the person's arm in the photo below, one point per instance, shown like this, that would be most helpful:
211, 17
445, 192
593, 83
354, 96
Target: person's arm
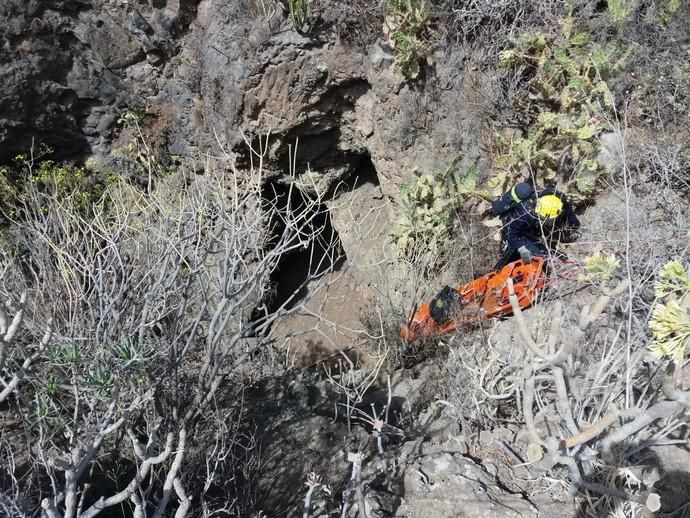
518, 235
571, 220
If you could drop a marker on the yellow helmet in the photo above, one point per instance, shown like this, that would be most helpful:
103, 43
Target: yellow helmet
549, 207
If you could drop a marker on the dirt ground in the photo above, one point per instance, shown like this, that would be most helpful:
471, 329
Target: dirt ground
327, 326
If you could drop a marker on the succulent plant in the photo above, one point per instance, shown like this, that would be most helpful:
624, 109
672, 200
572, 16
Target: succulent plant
565, 92
670, 320
599, 267
673, 279
670, 324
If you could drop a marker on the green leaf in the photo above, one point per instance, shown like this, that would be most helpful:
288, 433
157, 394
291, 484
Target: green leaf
580, 39
570, 98
494, 181
524, 147
586, 148
467, 183
586, 132
560, 54
547, 119
549, 67
585, 184
591, 165
601, 60
672, 6
576, 81
619, 11
507, 58
532, 40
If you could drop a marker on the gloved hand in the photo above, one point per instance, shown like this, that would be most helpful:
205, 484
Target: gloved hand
525, 254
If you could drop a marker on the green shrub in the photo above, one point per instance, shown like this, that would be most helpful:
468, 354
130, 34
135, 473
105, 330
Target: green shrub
132, 116
670, 10
54, 179
672, 6
599, 268
406, 27
300, 14
427, 207
619, 11
565, 101
424, 215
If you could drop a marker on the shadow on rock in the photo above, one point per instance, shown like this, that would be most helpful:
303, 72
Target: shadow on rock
654, 470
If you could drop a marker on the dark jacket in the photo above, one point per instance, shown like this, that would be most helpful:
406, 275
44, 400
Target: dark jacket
521, 227
506, 203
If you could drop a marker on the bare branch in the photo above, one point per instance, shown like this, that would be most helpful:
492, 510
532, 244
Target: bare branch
657, 411
11, 385
520, 319
185, 501
172, 475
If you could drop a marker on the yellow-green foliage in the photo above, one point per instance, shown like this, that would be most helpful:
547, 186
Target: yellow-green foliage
300, 13
49, 177
406, 25
672, 6
69, 180
424, 217
465, 184
619, 11
673, 281
427, 206
669, 11
132, 116
599, 267
564, 99
670, 321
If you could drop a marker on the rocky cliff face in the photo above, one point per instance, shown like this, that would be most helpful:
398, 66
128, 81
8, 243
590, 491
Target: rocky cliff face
218, 76
211, 71
69, 67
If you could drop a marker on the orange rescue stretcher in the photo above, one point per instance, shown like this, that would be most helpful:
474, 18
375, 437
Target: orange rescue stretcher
482, 298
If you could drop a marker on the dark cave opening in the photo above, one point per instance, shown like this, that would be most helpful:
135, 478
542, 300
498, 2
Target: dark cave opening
364, 173
323, 253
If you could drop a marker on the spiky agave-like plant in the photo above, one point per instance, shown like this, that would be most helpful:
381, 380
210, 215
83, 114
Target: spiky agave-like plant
673, 279
670, 324
670, 321
599, 267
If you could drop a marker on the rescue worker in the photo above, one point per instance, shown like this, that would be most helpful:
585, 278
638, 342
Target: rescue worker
533, 226
504, 204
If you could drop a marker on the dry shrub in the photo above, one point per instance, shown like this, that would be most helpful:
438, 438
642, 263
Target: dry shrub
357, 22
481, 20
662, 160
470, 367
121, 324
